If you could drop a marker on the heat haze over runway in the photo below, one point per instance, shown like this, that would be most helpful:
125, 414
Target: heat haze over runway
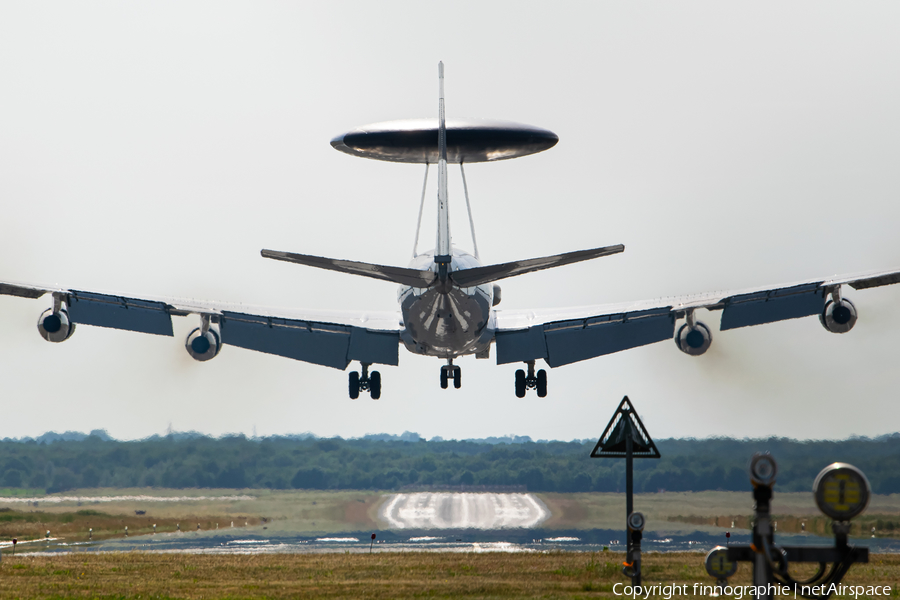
426, 510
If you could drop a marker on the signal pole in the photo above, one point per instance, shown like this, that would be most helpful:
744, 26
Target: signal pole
625, 437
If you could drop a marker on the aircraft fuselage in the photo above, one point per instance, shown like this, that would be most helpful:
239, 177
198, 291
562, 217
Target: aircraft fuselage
446, 322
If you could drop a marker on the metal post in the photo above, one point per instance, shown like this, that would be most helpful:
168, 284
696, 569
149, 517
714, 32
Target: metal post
719, 587
629, 476
762, 530
636, 556
626, 437
635, 523
629, 490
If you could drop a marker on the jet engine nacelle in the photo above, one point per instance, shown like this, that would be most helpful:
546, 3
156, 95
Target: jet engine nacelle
693, 340
203, 346
838, 317
55, 326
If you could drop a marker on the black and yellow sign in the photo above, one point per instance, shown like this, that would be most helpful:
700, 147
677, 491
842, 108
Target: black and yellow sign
718, 565
842, 491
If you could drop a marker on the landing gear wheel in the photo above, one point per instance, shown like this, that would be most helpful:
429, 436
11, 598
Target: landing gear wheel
520, 383
375, 385
542, 383
448, 372
354, 385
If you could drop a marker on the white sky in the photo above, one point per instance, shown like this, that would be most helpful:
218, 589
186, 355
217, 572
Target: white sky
155, 148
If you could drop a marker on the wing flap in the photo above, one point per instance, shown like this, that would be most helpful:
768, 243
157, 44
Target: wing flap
118, 312
773, 305
381, 347
317, 343
572, 342
520, 345
565, 342
320, 345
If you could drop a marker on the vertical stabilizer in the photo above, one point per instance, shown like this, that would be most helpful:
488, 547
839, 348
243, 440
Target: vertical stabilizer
442, 247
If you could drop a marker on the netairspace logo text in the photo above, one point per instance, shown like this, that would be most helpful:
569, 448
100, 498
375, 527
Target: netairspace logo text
667, 592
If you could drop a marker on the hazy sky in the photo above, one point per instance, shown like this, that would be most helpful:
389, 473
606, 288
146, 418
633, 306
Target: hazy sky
155, 148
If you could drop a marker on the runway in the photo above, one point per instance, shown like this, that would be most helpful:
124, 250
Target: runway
426, 510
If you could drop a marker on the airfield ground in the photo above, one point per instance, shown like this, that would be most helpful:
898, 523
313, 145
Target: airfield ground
714, 511
302, 512
379, 575
394, 575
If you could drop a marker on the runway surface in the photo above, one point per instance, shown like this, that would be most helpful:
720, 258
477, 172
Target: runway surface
425, 510
258, 541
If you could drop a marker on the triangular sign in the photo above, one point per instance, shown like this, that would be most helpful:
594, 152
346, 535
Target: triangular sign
625, 423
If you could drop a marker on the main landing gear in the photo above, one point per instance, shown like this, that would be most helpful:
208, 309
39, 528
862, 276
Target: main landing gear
367, 382
531, 382
448, 372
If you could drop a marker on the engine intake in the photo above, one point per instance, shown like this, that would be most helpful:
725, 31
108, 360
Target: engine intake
693, 340
202, 346
55, 326
838, 317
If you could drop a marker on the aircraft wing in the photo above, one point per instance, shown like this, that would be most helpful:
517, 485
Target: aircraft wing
328, 338
564, 336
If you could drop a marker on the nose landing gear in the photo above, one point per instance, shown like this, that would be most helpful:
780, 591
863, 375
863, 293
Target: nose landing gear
448, 372
531, 381
367, 382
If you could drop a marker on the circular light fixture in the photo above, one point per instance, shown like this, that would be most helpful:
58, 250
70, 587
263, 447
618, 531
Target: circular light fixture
636, 521
718, 565
763, 469
841, 491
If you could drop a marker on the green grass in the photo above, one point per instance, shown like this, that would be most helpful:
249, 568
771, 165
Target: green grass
21, 492
385, 575
704, 509
92, 524
297, 511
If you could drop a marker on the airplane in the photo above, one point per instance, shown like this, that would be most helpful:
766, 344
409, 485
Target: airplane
448, 298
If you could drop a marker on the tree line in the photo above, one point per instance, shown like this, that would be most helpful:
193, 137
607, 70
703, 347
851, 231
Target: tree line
390, 464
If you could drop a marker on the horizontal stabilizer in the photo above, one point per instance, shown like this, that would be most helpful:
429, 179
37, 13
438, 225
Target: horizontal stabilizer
481, 275
400, 275
22, 291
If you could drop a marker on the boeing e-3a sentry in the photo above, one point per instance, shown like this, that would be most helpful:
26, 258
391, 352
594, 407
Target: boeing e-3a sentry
448, 298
